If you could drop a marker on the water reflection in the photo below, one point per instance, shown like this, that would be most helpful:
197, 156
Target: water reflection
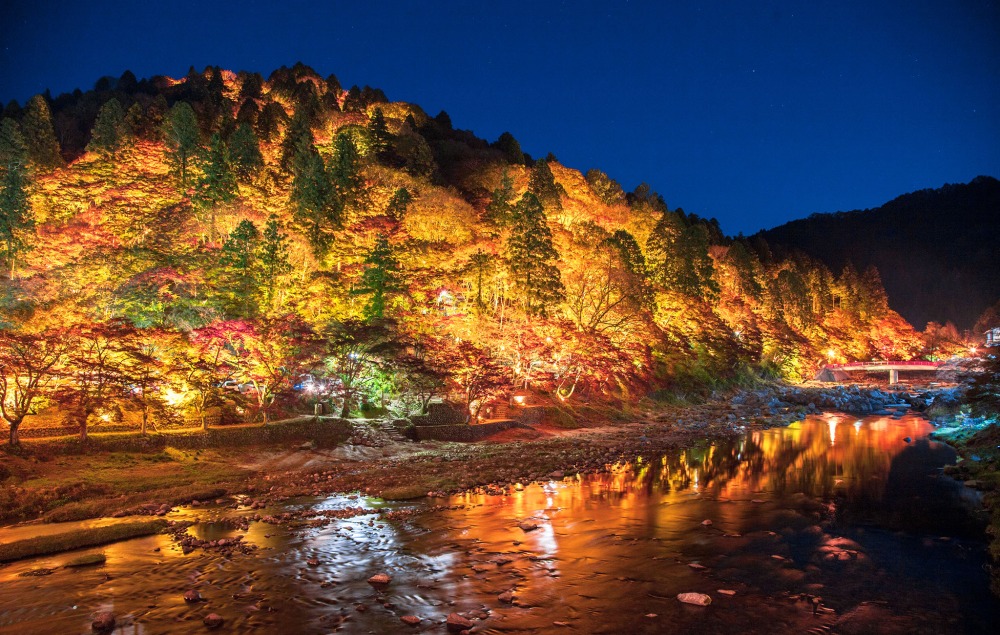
832, 507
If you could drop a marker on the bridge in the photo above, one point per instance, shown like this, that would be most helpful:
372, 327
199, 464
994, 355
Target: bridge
830, 372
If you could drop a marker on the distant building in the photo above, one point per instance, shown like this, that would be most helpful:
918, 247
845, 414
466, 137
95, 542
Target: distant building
993, 336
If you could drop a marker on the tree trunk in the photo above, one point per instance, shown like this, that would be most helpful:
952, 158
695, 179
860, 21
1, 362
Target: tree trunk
145, 418
204, 421
14, 439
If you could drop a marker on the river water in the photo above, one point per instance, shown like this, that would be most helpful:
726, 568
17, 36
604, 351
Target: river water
833, 524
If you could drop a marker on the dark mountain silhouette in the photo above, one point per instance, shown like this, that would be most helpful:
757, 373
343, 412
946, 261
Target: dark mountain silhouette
935, 249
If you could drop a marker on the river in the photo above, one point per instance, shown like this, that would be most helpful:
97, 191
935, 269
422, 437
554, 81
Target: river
833, 524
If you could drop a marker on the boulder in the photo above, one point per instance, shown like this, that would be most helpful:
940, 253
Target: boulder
456, 623
214, 621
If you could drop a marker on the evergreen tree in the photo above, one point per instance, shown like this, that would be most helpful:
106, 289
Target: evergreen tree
109, 134
299, 132
531, 258
39, 136
217, 183
345, 170
480, 264
696, 271
16, 218
244, 150
317, 208
180, 131
543, 185
605, 188
400, 200
135, 122
239, 263
510, 148
380, 279
270, 120
378, 134
273, 257
12, 147
662, 253
499, 210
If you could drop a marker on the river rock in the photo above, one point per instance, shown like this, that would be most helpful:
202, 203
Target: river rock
192, 596
506, 597
707, 522
694, 598
104, 622
456, 623
528, 526
379, 579
214, 621
410, 620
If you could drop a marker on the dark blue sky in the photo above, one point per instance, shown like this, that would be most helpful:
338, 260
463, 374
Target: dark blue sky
751, 112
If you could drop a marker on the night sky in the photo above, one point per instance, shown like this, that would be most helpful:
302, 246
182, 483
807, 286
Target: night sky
751, 112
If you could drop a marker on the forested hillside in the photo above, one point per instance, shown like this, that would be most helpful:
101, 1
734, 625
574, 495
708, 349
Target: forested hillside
314, 243
936, 249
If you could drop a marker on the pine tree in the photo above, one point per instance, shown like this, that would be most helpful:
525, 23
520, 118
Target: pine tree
662, 252
12, 147
378, 134
244, 150
180, 131
531, 256
380, 279
299, 132
499, 211
510, 148
217, 183
398, 204
239, 263
345, 170
109, 134
480, 264
543, 185
39, 136
16, 218
317, 208
273, 257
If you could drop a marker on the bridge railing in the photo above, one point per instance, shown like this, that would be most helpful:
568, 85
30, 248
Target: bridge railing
912, 363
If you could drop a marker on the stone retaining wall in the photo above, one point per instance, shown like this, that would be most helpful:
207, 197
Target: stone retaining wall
464, 432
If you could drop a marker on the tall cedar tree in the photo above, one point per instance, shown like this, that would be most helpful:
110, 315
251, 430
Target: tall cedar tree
273, 257
12, 148
531, 258
480, 264
500, 211
109, 134
398, 204
180, 131
378, 134
244, 150
16, 219
345, 171
317, 208
217, 183
239, 261
543, 185
662, 252
510, 148
39, 136
299, 134
380, 279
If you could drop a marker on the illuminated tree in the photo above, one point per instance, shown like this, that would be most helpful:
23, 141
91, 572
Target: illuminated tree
110, 132
217, 183
244, 150
273, 257
39, 136
12, 148
380, 279
345, 170
606, 290
180, 131
29, 363
298, 137
144, 370
398, 204
354, 349
271, 118
480, 264
317, 206
543, 185
16, 219
265, 355
475, 375
500, 210
239, 261
378, 134
530, 258
605, 188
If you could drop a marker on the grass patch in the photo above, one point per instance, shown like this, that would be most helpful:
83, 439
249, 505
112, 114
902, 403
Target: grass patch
90, 537
87, 560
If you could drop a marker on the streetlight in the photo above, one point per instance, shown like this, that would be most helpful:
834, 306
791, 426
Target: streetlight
831, 354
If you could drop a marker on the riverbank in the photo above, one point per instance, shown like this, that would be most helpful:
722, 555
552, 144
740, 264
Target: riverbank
53, 481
